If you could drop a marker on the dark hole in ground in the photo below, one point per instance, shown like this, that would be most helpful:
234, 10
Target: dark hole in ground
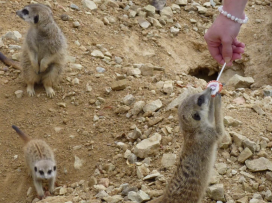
203, 73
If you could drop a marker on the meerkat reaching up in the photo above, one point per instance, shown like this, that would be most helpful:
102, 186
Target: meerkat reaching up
44, 49
201, 122
40, 161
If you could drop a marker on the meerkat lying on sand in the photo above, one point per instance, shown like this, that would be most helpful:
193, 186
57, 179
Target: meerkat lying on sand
44, 49
201, 122
40, 161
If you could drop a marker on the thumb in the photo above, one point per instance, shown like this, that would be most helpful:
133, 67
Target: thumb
227, 51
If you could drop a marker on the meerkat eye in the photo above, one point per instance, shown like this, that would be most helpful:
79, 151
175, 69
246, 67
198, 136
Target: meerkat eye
41, 172
55, 168
49, 172
35, 168
196, 116
200, 100
25, 12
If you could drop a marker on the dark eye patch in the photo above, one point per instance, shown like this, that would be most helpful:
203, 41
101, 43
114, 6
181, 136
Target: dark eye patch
55, 168
35, 168
200, 100
41, 172
196, 116
49, 172
25, 12
36, 19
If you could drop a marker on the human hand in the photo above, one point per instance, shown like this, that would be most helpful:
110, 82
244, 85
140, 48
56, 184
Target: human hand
222, 42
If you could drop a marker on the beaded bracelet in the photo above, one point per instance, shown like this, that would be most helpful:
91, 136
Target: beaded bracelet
231, 17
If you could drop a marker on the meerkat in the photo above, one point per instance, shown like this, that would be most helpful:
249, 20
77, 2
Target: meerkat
44, 49
40, 161
201, 122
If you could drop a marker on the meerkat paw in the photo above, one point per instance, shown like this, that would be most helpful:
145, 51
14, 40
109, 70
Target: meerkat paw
50, 92
30, 90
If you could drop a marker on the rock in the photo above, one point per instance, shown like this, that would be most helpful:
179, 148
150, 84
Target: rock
174, 30
78, 163
92, 181
135, 134
221, 168
132, 158
56, 199
168, 87
151, 10
19, 93
238, 81
258, 109
143, 23
215, 177
76, 66
13, 35
128, 99
216, 192
63, 191
76, 24
147, 70
153, 106
113, 199
201, 9
138, 107
154, 174
175, 7
166, 11
245, 154
269, 176
97, 54
75, 81
95, 118
186, 92
168, 160
250, 144
118, 59
148, 146
142, 171
100, 69
89, 4
182, 2
105, 182
260, 164
268, 196
65, 17
238, 138
119, 85
226, 141
132, 14
75, 7
243, 200
134, 72
229, 121
1, 42
101, 194
154, 121
112, 3
138, 197
122, 109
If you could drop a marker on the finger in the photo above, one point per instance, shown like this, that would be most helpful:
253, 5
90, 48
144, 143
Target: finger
238, 50
238, 44
236, 56
227, 50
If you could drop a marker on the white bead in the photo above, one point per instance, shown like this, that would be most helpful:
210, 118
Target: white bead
236, 19
225, 13
232, 17
228, 15
240, 21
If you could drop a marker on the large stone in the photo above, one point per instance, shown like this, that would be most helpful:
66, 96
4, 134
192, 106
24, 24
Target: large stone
13, 35
97, 54
238, 81
166, 11
113, 199
245, 154
153, 106
138, 107
261, 164
128, 99
168, 87
186, 92
216, 192
258, 109
238, 138
148, 69
168, 160
148, 146
221, 168
229, 121
201, 9
250, 144
142, 171
151, 10
226, 141
119, 85
143, 23
182, 2
138, 197
89, 4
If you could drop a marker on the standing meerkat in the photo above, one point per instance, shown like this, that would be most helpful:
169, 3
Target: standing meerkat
40, 161
44, 49
201, 122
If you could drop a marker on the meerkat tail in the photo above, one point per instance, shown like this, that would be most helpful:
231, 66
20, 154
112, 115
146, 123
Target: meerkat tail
9, 62
22, 135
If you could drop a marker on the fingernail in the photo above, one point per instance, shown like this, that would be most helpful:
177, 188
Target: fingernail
227, 59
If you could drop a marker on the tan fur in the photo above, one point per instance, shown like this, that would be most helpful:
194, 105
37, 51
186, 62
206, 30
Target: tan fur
197, 157
44, 49
39, 157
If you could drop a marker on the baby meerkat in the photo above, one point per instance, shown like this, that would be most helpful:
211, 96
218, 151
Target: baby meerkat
201, 122
40, 161
44, 49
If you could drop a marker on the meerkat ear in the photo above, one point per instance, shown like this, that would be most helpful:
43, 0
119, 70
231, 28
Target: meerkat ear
36, 19
55, 168
35, 168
